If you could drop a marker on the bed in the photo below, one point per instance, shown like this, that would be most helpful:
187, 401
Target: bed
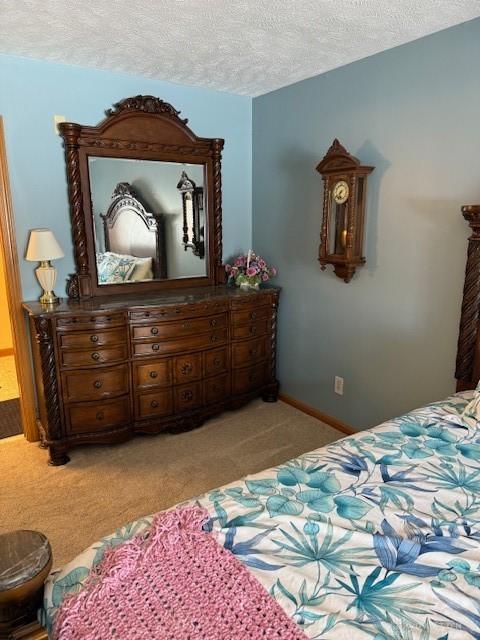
133, 240
374, 536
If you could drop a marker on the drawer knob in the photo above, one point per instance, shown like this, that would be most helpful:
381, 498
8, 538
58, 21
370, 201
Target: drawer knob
186, 325
95, 355
213, 322
186, 395
186, 368
217, 362
154, 331
253, 315
253, 329
155, 347
154, 404
178, 311
253, 352
94, 338
147, 314
97, 384
100, 415
153, 374
214, 338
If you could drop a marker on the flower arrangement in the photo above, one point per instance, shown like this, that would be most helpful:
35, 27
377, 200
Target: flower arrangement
249, 271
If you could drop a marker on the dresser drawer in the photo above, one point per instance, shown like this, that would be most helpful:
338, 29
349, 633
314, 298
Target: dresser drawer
202, 341
186, 368
155, 403
180, 311
187, 396
250, 330
108, 355
153, 374
182, 328
94, 339
216, 361
88, 321
92, 385
247, 315
245, 380
248, 352
217, 389
87, 418
251, 299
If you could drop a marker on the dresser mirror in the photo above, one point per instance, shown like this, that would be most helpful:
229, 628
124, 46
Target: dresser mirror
148, 219
145, 202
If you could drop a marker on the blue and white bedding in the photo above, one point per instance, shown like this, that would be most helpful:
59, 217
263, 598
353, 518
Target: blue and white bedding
375, 536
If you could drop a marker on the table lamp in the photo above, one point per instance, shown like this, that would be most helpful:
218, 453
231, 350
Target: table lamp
43, 246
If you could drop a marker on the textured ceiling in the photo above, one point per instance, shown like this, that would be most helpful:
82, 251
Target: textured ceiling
242, 46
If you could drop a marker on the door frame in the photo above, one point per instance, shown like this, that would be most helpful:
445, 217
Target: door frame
21, 340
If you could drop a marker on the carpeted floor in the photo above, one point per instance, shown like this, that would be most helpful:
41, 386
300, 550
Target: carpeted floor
104, 487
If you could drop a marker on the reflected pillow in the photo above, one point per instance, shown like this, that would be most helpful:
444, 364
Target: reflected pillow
471, 413
142, 270
113, 268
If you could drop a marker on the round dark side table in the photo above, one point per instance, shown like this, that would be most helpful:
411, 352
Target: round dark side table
25, 562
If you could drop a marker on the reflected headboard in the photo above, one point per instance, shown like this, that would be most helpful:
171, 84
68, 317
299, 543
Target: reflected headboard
467, 371
131, 229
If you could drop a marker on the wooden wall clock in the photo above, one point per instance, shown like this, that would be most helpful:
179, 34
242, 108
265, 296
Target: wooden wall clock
345, 191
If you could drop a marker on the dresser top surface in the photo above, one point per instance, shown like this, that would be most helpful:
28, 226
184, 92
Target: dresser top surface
170, 297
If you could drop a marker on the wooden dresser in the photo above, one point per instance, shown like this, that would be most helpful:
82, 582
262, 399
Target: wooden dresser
109, 367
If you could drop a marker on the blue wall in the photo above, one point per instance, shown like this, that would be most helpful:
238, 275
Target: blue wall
32, 92
413, 113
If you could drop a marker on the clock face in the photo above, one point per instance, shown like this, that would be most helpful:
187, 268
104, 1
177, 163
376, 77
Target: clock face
341, 191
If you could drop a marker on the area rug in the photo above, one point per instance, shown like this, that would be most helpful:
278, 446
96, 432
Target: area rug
10, 423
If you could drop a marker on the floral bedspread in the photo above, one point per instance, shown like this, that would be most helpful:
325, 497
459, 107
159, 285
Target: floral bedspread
374, 536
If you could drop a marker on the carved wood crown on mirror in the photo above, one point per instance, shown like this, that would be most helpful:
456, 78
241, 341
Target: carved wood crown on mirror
159, 356
139, 128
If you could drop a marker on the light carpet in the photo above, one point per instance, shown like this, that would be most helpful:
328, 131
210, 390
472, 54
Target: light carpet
104, 487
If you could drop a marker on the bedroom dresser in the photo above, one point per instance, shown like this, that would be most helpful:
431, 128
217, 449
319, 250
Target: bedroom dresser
150, 337
107, 368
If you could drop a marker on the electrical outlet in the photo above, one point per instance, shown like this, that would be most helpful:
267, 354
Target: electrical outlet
338, 388
56, 122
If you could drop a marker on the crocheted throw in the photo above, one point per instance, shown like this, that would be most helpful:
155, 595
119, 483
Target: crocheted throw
175, 583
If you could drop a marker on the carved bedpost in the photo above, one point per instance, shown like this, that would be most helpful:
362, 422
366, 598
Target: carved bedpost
271, 392
45, 339
79, 283
467, 367
220, 275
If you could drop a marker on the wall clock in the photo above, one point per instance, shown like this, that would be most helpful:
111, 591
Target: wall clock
345, 191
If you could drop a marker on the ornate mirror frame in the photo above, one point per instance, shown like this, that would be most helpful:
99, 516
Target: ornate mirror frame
142, 128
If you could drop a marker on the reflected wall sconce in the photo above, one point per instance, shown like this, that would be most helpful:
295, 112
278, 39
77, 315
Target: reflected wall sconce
192, 203
43, 247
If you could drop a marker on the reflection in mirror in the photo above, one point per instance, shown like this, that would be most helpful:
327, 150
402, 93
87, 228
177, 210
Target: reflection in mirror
148, 219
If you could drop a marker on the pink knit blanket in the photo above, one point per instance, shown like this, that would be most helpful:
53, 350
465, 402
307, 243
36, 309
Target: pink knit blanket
175, 583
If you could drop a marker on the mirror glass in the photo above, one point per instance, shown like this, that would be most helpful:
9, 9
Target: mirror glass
148, 218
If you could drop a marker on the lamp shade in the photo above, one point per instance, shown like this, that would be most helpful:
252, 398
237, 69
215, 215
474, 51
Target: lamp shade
42, 245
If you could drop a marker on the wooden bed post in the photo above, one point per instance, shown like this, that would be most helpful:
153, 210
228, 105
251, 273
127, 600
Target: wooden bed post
468, 355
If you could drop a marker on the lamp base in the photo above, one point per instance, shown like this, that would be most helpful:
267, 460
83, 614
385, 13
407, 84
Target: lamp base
47, 276
48, 297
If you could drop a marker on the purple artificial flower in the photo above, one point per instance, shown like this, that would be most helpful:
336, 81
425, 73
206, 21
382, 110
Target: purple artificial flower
265, 277
261, 263
252, 271
273, 271
240, 261
228, 268
233, 271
